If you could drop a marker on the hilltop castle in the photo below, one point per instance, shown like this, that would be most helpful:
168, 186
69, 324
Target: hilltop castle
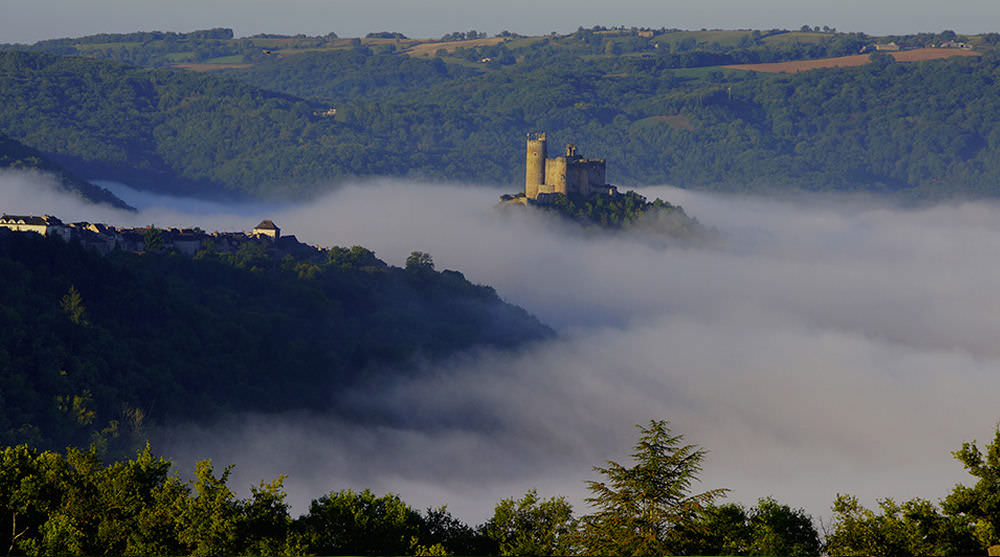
568, 174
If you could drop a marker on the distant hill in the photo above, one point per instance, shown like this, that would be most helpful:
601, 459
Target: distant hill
133, 340
294, 115
15, 155
176, 131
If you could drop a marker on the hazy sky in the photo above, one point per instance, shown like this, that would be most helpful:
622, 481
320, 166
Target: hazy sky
32, 20
827, 345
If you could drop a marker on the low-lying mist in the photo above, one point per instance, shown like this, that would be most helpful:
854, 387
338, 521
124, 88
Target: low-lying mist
823, 345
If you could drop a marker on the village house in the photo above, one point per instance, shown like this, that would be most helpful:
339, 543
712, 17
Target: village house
96, 236
955, 44
267, 228
227, 242
890, 47
46, 225
187, 240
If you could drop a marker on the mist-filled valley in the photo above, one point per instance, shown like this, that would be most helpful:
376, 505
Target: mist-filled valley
821, 345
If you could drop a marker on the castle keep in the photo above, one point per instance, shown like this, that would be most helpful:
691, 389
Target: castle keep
568, 174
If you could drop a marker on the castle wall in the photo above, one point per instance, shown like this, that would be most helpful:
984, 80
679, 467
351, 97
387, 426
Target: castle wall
555, 175
596, 175
584, 176
576, 178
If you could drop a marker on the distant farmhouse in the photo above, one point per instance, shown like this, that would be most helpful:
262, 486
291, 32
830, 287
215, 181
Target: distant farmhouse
955, 44
568, 174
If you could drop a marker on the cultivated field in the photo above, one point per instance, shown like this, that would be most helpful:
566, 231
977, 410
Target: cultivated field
723, 37
430, 48
917, 55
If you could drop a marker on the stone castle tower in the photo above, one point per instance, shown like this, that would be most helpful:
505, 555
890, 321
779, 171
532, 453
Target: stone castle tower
568, 174
534, 176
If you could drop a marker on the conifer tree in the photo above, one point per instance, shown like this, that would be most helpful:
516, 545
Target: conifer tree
72, 304
644, 509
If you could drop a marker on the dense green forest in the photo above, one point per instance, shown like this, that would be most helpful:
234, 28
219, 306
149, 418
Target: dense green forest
187, 131
657, 104
627, 211
73, 503
17, 156
101, 346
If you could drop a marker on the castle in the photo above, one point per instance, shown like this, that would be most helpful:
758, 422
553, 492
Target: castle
568, 174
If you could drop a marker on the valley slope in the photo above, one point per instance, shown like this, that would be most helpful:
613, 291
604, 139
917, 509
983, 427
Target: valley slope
17, 156
658, 104
919, 129
127, 341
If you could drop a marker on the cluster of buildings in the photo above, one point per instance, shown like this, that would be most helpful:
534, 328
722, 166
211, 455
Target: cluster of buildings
104, 238
893, 47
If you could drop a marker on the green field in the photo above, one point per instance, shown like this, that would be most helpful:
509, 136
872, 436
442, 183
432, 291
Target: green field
188, 56
234, 59
797, 37
522, 42
724, 38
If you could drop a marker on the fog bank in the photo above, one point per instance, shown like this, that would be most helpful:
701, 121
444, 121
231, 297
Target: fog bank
824, 345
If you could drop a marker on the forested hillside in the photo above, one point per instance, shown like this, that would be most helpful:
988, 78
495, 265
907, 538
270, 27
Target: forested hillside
17, 156
175, 130
118, 342
657, 104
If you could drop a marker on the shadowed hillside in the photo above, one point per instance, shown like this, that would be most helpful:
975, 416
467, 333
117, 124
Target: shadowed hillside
120, 341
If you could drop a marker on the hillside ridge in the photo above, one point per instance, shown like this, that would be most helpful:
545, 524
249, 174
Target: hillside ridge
662, 102
112, 343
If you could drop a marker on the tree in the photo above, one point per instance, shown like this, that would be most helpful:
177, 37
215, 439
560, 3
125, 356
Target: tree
30, 492
769, 528
419, 261
644, 509
947, 35
981, 502
152, 239
718, 530
880, 61
209, 521
141, 503
915, 527
73, 504
265, 522
440, 529
855, 529
777, 529
531, 526
359, 523
72, 304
